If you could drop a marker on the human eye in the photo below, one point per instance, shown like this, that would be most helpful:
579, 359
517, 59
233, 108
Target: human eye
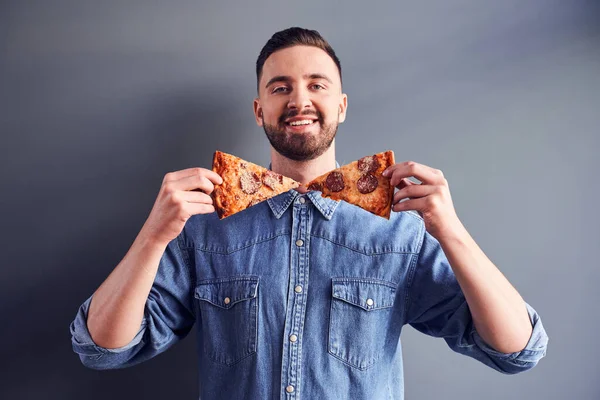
279, 89
317, 86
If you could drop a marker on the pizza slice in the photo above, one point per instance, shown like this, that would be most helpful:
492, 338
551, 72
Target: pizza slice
360, 183
244, 184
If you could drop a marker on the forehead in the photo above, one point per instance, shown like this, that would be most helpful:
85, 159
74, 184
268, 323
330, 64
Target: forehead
297, 61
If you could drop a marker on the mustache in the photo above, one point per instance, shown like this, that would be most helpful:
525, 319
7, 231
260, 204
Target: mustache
295, 113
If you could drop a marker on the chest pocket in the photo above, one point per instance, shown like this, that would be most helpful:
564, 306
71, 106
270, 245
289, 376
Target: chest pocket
229, 312
361, 310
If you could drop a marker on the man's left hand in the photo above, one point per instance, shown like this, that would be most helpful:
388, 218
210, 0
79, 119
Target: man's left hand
431, 198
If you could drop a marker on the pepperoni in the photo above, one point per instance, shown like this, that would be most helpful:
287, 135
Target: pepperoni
367, 183
335, 181
368, 164
315, 186
272, 179
250, 182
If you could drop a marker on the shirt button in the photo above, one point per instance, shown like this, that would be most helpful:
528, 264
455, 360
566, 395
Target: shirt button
298, 289
369, 302
299, 242
302, 200
293, 338
227, 300
289, 389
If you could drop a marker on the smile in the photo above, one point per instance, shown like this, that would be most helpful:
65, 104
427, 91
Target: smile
302, 122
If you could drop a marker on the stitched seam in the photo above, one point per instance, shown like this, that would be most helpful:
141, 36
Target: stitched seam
361, 251
369, 365
412, 269
187, 262
414, 215
229, 306
354, 301
364, 280
326, 210
245, 246
278, 211
251, 278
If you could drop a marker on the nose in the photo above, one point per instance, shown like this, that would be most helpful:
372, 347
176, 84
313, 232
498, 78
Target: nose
300, 99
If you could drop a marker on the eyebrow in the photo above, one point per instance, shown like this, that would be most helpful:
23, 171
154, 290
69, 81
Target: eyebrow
284, 78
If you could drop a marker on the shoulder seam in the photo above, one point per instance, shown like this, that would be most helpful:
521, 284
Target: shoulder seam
413, 268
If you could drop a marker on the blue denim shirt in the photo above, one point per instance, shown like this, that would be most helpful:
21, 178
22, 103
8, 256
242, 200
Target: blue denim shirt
302, 297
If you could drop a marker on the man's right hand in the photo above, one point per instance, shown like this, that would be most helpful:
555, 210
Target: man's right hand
182, 194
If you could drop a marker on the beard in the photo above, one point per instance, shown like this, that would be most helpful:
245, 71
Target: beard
300, 146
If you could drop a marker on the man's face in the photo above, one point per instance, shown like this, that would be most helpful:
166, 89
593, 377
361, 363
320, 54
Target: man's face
300, 102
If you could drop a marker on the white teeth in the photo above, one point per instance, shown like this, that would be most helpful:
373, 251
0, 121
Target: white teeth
304, 122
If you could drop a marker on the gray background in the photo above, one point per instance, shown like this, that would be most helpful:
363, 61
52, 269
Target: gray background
98, 100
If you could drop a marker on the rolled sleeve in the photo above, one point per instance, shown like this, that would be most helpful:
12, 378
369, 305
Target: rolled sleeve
437, 307
89, 352
168, 316
525, 359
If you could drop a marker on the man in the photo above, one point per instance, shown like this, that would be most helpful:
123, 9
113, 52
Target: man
302, 297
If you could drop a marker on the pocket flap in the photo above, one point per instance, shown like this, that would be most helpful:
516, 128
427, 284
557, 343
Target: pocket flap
225, 292
368, 294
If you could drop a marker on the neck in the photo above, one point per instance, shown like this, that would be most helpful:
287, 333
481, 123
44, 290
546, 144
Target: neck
303, 171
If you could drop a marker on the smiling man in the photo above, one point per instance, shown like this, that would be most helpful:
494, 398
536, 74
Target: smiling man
303, 297
300, 103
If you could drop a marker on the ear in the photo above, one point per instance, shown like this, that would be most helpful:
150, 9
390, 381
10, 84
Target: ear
343, 106
258, 112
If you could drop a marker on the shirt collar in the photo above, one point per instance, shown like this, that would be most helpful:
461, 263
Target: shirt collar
280, 203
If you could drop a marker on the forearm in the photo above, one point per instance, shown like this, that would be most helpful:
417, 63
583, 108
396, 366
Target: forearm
498, 311
117, 307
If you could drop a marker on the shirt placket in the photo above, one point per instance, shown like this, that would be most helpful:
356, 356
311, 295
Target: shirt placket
296, 304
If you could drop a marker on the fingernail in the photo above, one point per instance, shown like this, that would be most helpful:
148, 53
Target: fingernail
385, 173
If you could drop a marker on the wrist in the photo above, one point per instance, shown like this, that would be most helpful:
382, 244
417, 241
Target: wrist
453, 233
149, 241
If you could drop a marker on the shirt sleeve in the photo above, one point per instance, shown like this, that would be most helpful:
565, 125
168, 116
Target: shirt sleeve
437, 307
168, 316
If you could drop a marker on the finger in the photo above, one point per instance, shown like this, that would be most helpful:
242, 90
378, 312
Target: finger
413, 192
404, 182
196, 197
213, 177
185, 173
198, 183
412, 204
425, 174
200, 208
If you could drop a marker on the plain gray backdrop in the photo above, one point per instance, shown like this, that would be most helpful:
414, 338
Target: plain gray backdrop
98, 100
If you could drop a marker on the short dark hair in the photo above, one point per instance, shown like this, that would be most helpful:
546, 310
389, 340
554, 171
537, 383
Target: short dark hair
294, 37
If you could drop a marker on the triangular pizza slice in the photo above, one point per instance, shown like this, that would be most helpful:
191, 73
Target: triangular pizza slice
244, 184
360, 183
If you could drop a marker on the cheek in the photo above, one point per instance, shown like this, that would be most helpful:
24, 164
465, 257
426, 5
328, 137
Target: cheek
268, 117
330, 110
272, 112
